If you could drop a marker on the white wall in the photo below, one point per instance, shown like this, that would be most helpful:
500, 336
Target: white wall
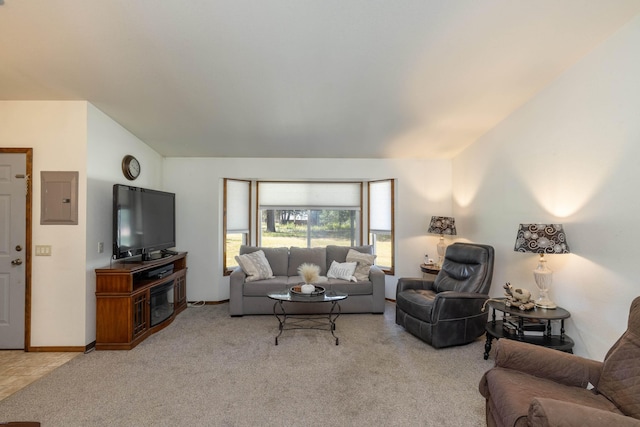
72, 136
107, 143
75, 135
571, 155
423, 190
56, 131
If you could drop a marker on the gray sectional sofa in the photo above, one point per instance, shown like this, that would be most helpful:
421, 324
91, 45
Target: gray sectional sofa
366, 296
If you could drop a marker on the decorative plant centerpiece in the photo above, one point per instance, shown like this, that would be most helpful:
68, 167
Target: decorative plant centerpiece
310, 274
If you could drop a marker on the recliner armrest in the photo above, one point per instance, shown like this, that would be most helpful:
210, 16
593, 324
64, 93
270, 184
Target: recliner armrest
456, 305
543, 362
545, 412
406, 283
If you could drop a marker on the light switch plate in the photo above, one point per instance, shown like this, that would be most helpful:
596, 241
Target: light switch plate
43, 250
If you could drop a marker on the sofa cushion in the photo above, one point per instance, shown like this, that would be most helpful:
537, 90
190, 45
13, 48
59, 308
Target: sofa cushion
339, 253
255, 266
349, 288
364, 260
418, 302
620, 377
298, 256
278, 257
342, 271
261, 288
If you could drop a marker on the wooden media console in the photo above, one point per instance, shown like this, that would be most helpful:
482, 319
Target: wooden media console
135, 299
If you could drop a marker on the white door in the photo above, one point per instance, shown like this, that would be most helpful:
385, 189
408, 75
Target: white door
13, 199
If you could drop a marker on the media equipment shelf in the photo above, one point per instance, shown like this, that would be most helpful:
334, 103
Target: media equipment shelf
128, 302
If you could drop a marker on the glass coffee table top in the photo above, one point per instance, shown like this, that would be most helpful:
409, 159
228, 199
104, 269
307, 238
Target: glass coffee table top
327, 296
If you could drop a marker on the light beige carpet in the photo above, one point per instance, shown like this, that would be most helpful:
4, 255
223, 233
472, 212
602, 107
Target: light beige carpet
209, 369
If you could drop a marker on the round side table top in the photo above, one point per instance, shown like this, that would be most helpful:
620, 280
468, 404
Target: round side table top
430, 268
535, 313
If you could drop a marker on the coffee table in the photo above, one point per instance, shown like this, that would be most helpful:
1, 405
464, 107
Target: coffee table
326, 322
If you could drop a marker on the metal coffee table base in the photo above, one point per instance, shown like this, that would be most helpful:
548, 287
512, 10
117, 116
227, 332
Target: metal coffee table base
323, 322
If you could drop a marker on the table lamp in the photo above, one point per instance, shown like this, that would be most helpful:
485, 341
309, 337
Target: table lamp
542, 239
442, 225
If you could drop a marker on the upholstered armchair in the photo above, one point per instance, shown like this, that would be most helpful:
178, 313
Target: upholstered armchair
447, 311
537, 386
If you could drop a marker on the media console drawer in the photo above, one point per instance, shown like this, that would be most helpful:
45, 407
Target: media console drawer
127, 300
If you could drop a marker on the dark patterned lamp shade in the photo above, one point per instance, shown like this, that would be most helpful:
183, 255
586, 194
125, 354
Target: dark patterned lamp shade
442, 225
541, 239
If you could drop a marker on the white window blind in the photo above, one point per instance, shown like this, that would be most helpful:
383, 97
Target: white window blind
309, 195
238, 206
380, 206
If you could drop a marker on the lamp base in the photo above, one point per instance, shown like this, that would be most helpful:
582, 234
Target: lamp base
545, 303
543, 276
441, 247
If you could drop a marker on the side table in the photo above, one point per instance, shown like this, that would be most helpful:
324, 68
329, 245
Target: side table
495, 328
431, 269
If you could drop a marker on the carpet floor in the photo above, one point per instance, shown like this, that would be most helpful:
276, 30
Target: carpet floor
210, 369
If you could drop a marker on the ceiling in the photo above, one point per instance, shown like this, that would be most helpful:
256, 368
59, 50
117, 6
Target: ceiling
299, 78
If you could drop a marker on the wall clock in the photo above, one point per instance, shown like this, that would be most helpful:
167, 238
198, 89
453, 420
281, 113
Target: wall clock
130, 167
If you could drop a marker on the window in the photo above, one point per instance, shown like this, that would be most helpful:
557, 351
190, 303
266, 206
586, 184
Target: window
309, 214
309, 227
381, 222
236, 220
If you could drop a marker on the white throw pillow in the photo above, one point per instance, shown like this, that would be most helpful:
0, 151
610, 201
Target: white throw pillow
365, 261
342, 271
255, 266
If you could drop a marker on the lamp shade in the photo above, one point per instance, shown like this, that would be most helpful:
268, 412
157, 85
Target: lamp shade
442, 225
541, 239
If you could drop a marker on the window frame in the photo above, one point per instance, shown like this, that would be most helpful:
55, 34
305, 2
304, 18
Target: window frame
225, 216
390, 270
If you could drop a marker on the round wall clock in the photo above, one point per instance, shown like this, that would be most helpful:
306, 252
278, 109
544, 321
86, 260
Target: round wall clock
130, 167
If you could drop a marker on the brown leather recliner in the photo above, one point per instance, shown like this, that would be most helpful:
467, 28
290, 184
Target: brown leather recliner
536, 386
447, 311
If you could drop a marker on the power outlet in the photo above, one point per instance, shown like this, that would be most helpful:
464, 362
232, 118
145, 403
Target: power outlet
43, 250
100, 247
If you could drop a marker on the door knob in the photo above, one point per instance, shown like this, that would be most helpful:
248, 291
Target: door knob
16, 261
18, 248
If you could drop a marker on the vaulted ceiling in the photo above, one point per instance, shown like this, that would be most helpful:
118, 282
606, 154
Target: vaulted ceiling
299, 78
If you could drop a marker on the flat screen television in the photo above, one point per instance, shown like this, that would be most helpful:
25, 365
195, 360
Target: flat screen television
143, 221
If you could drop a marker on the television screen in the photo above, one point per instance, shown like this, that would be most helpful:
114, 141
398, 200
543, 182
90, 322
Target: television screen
143, 221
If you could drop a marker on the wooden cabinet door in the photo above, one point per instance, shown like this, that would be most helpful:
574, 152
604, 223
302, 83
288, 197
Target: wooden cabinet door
139, 314
180, 292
